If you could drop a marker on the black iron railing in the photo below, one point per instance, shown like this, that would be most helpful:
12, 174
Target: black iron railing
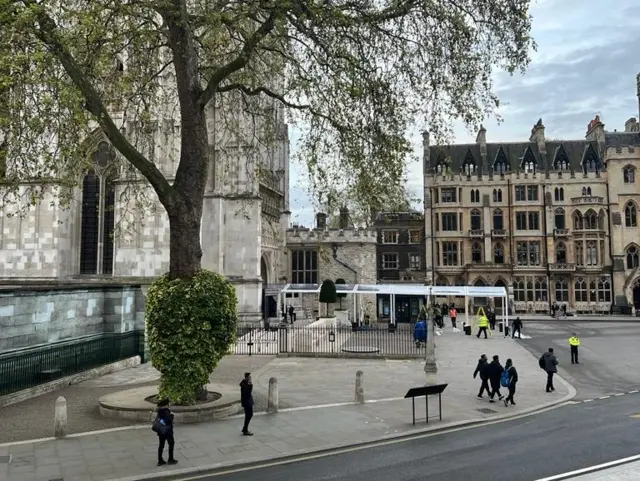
26, 368
374, 341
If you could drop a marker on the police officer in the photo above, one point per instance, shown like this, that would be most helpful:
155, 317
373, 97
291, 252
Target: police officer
483, 325
574, 342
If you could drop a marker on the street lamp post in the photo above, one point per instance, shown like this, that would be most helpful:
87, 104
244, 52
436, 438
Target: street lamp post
430, 366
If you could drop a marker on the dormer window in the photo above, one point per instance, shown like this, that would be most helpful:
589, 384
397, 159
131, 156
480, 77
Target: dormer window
560, 159
469, 163
590, 160
528, 163
501, 163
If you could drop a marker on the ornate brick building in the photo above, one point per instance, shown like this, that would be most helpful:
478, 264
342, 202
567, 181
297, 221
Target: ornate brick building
556, 220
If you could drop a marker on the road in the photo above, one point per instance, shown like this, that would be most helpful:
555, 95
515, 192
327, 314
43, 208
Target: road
608, 354
527, 449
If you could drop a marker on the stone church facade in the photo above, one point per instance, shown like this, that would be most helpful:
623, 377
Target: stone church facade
245, 215
557, 220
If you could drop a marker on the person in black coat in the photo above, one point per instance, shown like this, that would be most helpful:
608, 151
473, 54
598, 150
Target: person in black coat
246, 400
517, 326
513, 380
483, 370
495, 370
166, 418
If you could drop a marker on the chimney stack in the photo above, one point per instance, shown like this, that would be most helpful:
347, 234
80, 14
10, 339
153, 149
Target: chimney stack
631, 125
344, 217
595, 131
638, 90
426, 152
321, 220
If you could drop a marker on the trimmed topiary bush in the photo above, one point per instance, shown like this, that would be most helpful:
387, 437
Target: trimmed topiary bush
191, 324
328, 293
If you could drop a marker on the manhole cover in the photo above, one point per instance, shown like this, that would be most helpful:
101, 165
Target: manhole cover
487, 411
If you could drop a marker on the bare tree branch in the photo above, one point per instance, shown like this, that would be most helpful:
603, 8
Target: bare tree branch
47, 33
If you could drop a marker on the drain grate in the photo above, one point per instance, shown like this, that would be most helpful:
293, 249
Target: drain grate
487, 411
5, 459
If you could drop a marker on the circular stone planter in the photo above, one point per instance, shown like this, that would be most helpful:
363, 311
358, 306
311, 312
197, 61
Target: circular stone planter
132, 405
361, 350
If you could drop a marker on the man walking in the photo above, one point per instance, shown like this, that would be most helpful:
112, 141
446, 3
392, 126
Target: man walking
517, 326
495, 373
246, 400
483, 325
574, 342
492, 320
549, 363
483, 370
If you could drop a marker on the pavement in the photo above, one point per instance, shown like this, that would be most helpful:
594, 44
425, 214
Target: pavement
33, 418
322, 416
534, 448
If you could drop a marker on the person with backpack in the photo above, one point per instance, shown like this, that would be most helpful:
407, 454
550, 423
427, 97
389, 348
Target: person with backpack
163, 427
483, 369
549, 363
509, 380
495, 371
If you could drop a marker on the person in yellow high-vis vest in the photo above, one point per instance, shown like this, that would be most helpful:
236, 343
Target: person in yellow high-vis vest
483, 324
574, 342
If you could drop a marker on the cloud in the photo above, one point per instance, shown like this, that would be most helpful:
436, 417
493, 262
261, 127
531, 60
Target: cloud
586, 64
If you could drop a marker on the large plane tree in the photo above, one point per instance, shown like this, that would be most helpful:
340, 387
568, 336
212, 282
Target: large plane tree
354, 75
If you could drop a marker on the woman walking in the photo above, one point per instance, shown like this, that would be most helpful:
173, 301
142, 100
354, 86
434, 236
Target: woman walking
163, 426
513, 380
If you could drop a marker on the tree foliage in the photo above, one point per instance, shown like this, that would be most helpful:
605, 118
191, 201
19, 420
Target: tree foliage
355, 75
191, 325
328, 293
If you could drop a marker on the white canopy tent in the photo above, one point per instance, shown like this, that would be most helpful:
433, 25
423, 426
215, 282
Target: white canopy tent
404, 289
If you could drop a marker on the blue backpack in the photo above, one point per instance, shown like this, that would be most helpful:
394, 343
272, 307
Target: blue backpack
504, 379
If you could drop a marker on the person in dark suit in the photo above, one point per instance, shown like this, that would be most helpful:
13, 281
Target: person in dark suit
246, 400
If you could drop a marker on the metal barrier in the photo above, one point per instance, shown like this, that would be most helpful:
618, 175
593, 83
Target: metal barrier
29, 367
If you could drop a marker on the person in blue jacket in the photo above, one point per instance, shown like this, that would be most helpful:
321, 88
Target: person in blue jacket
420, 332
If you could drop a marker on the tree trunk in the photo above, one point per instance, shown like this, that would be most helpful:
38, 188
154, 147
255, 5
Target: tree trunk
185, 251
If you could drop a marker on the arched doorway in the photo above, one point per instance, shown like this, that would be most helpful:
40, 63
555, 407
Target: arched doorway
264, 272
269, 302
636, 295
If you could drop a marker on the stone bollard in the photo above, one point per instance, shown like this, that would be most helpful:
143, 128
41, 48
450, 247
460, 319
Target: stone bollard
272, 401
359, 387
60, 419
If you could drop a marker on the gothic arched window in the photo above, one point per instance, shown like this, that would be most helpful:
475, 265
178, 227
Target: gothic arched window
630, 215
498, 254
629, 174
98, 214
633, 257
561, 253
498, 220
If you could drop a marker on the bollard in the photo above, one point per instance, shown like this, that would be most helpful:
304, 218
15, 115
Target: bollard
359, 387
60, 419
272, 401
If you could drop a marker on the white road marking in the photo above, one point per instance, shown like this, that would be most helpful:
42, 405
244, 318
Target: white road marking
604, 397
587, 400
620, 394
633, 392
591, 469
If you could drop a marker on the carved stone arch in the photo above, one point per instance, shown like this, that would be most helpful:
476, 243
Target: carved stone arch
265, 269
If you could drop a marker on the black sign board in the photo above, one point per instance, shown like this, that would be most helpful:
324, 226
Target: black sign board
426, 391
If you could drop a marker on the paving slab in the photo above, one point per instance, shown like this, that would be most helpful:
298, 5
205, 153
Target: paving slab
304, 383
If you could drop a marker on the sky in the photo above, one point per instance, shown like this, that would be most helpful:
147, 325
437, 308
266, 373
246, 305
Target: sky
585, 65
